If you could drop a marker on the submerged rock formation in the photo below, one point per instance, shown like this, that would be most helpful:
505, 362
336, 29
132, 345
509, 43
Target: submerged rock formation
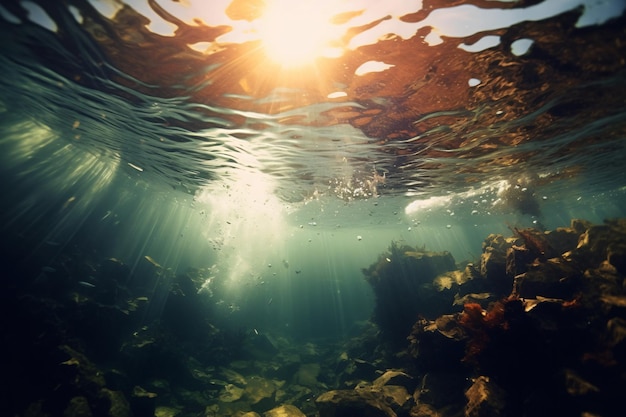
400, 279
536, 326
551, 346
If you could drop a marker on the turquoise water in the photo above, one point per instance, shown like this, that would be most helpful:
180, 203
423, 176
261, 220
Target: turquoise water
119, 141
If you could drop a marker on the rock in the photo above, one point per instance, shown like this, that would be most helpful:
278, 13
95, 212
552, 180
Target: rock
227, 409
555, 278
259, 389
402, 280
395, 378
442, 389
309, 351
616, 331
307, 375
484, 399
435, 349
142, 402
493, 264
231, 393
471, 281
546, 343
580, 226
449, 327
602, 242
483, 298
360, 369
449, 280
118, 406
362, 403
424, 410
617, 257
191, 398
293, 394
377, 399
517, 260
233, 377
163, 411
284, 411
77, 407
563, 239
396, 395
576, 386
85, 374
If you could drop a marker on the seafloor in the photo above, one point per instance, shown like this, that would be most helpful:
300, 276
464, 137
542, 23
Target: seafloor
535, 327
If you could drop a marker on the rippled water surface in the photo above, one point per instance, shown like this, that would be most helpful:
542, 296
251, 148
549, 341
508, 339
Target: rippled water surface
295, 140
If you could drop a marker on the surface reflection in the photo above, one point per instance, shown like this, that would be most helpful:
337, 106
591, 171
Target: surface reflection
436, 95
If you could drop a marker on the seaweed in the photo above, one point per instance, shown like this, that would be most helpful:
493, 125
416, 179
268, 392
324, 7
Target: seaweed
534, 241
481, 326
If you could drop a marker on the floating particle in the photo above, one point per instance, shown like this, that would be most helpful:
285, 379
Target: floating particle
359, 237
138, 168
152, 261
448, 226
69, 201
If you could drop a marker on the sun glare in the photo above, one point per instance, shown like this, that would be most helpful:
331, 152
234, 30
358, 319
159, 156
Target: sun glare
295, 33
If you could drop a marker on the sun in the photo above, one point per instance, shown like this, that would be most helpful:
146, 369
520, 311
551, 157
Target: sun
296, 33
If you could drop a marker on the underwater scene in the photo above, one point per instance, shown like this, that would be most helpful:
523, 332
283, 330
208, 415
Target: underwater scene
298, 208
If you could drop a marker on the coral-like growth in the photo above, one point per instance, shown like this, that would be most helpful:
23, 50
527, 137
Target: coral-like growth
472, 320
480, 327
